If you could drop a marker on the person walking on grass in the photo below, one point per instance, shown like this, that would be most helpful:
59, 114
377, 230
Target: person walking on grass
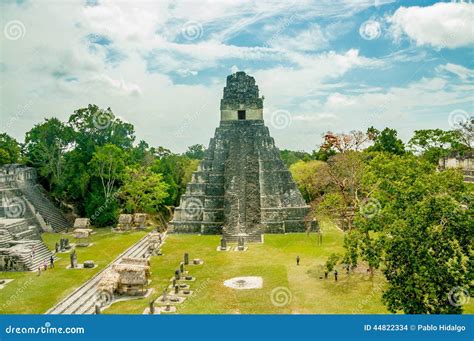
297, 260
51, 262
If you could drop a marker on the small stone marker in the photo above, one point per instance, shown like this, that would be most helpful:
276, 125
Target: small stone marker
176, 289
186, 258
165, 293
241, 245
82, 223
73, 259
181, 267
177, 275
89, 264
152, 307
97, 309
223, 244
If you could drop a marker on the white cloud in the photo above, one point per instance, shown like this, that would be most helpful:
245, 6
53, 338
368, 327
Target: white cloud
52, 71
442, 25
459, 70
311, 39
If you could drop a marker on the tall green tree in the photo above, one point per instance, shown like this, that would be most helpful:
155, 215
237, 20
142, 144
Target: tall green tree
311, 178
108, 165
421, 232
143, 191
9, 149
344, 173
385, 141
196, 152
436, 143
45, 146
177, 171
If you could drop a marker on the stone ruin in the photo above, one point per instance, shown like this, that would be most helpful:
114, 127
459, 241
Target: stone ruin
139, 220
82, 237
131, 221
25, 212
463, 162
242, 188
23, 198
82, 223
128, 277
124, 222
154, 242
21, 246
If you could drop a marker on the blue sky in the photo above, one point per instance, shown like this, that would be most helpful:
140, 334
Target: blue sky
161, 65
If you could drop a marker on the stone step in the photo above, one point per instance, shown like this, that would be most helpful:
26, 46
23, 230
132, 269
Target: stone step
50, 213
255, 238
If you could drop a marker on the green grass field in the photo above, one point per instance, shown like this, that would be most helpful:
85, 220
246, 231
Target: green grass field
32, 294
275, 261
299, 289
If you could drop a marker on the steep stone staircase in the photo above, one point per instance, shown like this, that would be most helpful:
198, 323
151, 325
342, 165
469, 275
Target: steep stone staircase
23, 241
50, 213
35, 253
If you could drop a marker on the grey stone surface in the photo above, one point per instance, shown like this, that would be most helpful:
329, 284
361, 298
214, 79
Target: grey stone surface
89, 264
242, 187
22, 197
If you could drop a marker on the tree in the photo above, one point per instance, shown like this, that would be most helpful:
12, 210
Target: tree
177, 171
344, 172
143, 191
311, 178
45, 146
142, 154
341, 143
9, 149
290, 157
196, 152
94, 127
385, 141
332, 261
466, 132
421, 233
107, 165
436, 143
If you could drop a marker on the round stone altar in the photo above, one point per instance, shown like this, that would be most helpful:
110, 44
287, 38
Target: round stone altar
243, 283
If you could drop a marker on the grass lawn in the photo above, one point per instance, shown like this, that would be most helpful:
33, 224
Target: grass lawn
275, 262
32, 294
299, 289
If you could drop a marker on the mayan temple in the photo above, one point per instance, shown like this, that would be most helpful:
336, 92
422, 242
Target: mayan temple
242, 188
25, 212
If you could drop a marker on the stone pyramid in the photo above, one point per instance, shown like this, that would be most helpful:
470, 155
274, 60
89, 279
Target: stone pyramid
242, 188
